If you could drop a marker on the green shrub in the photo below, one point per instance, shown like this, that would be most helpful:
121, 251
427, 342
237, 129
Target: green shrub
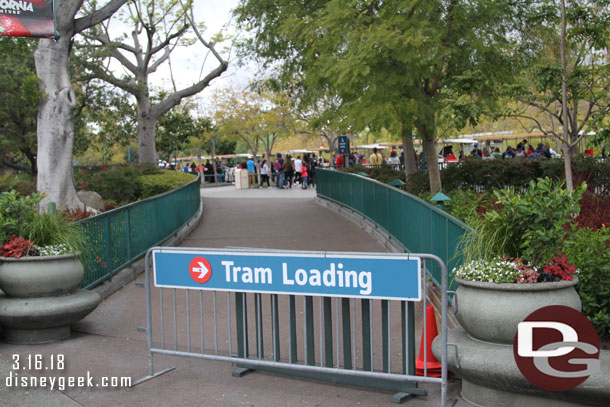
155, 184
19, 217
486, 175
24, 184
529, 225
15, 211
464, 203
590, 251
117, 183
54, 229
383, 173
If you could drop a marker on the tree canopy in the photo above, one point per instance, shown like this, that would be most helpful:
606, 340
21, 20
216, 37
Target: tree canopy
20, 95
157, 28
387, 64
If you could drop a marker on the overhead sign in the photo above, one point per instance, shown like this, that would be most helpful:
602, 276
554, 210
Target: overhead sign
356, 275
27, 18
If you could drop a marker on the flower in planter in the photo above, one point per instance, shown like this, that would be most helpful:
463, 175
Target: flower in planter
509, 270
527, 272
26, 232
559, 269
16, 247
498, 270
526, 229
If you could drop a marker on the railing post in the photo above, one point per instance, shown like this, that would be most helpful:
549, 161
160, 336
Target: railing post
293, 328
347, 333
241, 318
366, 335
385, 334
309, 331
328, 331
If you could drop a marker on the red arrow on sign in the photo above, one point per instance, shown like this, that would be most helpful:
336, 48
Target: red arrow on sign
200, 269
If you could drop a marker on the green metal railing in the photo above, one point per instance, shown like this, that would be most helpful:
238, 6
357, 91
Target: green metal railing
418, 226
118, 237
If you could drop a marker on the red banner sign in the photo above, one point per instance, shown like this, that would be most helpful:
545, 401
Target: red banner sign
27, 18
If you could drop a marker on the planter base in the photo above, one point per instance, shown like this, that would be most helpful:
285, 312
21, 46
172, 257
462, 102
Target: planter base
45, 319
477, 395
491, 378
34, 336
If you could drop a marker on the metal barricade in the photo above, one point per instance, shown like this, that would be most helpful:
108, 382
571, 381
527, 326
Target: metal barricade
359, 341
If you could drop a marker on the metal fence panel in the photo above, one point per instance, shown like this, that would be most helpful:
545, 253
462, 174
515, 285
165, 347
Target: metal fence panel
415, 224
118, 237
363, 342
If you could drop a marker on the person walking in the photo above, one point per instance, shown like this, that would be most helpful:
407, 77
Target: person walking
297, 169
304, 176
251, 171
394, 160
264, 174
288, 170
278, 166
375, 158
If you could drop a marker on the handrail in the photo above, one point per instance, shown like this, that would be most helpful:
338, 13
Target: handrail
412, 222
118, 237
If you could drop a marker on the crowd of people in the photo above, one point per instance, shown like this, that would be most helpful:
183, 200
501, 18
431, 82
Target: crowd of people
522, 150
288, 171
291, 171
223, 171
283, 172
485, 152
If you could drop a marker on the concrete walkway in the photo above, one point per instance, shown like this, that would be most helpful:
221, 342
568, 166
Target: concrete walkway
107, 344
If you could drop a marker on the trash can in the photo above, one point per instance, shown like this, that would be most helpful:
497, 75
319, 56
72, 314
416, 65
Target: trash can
241, 179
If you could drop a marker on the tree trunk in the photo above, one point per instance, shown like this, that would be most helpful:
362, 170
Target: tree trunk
564, 101
146, 131
567, 160
428, 135
434, 173
55, 129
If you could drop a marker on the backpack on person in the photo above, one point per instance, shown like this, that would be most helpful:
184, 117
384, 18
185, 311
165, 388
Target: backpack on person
277, 165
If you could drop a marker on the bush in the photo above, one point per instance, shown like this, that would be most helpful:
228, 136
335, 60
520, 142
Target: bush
383, 173
465, 204
529, 225
486, 175
19, 218
125, 184
15, 211
594, 211
589, 250
118, 183
155, 184
23, 184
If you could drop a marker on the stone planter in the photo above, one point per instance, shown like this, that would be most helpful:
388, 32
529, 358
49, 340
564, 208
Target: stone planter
490, 312
41, 276
41, 298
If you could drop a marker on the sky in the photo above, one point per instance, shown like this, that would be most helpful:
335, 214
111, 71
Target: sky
187, 62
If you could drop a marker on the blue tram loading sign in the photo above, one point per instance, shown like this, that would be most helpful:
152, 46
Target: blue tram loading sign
336, 274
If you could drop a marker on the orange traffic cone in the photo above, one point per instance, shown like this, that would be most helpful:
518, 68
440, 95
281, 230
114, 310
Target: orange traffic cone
433, 366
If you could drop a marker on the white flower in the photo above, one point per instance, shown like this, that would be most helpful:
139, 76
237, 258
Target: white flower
54, 250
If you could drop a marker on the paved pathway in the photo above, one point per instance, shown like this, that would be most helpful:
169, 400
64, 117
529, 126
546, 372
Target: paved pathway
106, 343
